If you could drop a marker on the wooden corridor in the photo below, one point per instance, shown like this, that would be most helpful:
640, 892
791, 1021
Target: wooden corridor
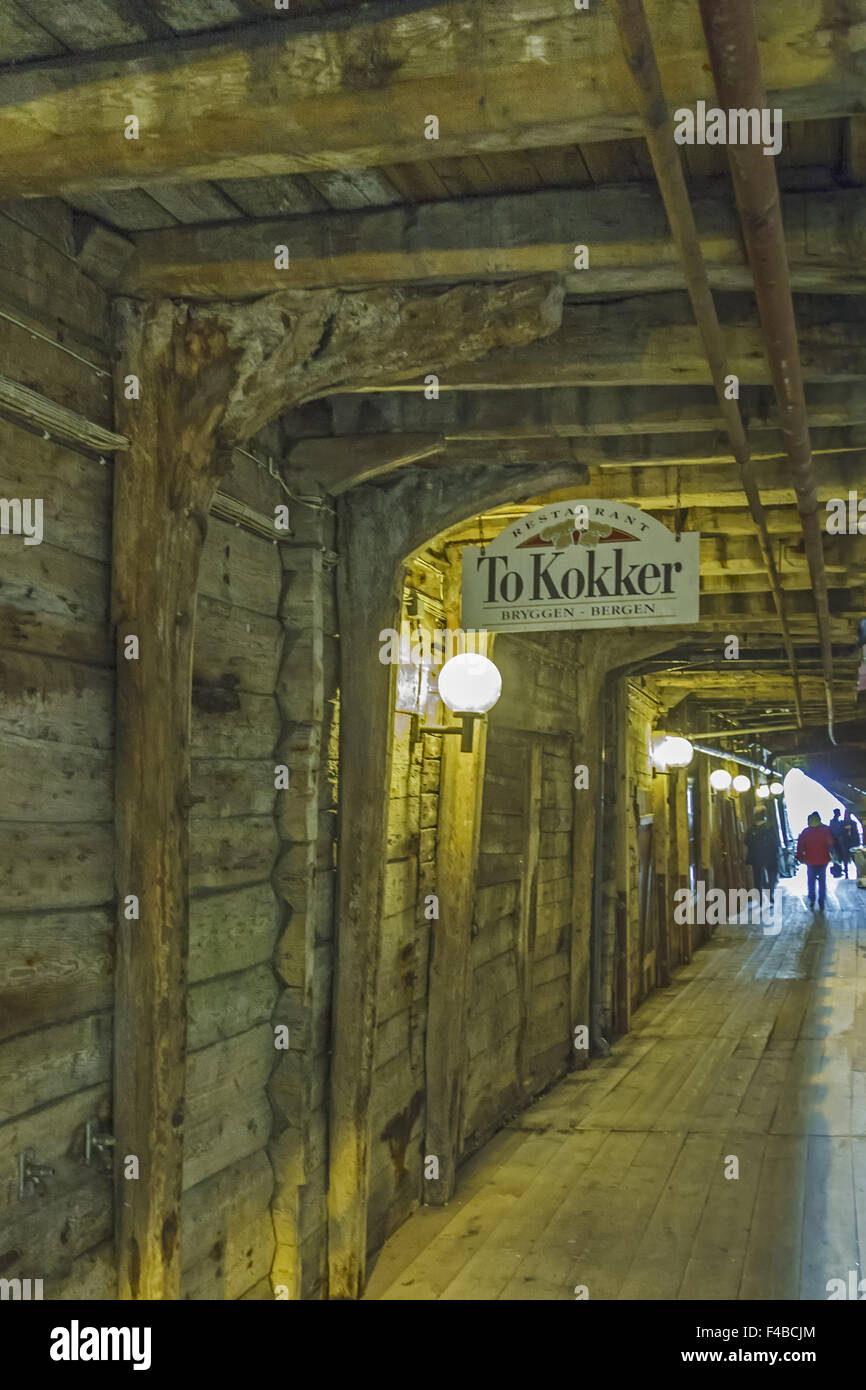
615, 1179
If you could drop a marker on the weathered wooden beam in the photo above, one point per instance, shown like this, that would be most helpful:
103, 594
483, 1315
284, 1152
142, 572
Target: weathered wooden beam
527, 911
338, 464
311, 344
352, 91
736, 555
847, 604
706, 493
756, 583
163, 491
652, 339
461, 792
617, 452
624, 227
669, 489
739, 683
781, 521
581, 412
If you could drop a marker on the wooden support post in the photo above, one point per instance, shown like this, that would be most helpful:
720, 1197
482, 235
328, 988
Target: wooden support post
625, 844
680, 849
664, 910
584, 753
703, 838
527, 910
368, 602
461, 791
163, 489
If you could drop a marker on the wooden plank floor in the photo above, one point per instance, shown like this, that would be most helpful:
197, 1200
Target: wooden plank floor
616, 1178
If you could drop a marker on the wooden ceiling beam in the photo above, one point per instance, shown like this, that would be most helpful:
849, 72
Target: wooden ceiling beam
604, 452
624, 227
578, 412
755, 581
354, 90
652, 340
740, 684
671, 489
781, 521
740, 555
338, 464
847, 606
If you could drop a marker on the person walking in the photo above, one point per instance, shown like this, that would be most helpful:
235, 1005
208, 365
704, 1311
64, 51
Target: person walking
838, 852
762, 852
850, 836
815, 847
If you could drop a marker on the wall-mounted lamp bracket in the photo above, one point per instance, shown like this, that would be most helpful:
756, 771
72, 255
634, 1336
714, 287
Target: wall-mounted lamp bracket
465, 729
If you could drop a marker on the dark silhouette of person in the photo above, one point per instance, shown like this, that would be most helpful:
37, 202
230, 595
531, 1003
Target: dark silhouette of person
762, 852
850, 840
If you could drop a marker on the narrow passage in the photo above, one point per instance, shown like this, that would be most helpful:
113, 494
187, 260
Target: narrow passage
615, 1179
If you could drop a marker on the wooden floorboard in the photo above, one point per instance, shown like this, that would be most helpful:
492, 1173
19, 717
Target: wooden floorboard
620, 1178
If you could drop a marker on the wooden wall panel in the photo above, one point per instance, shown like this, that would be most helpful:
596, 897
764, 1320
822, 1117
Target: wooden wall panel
56, 742
519, 1028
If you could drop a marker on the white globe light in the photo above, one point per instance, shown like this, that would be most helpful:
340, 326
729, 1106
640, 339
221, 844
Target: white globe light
469, 684
720, 780
776, 788
741, 783
672, 751
763, 791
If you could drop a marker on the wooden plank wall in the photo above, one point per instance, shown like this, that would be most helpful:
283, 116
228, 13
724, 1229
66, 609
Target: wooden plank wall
56, 736
518, 1030
227, 1237
397, 1107
56, 824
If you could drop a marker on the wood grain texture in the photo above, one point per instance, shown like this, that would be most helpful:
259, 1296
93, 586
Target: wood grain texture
335, 96
499, 236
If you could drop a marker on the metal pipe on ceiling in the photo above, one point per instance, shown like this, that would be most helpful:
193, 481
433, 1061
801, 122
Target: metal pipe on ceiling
730, 757
639, 54
738, 733
732, 41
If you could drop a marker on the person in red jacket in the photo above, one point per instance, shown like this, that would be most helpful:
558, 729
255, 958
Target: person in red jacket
814, 850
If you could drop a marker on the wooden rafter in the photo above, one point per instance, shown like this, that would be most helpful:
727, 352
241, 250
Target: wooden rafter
624, 227
348, 91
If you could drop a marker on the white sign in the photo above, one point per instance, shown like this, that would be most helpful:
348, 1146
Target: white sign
582, 564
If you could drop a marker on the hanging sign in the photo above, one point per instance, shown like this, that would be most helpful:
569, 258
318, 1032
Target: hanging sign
582, 564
